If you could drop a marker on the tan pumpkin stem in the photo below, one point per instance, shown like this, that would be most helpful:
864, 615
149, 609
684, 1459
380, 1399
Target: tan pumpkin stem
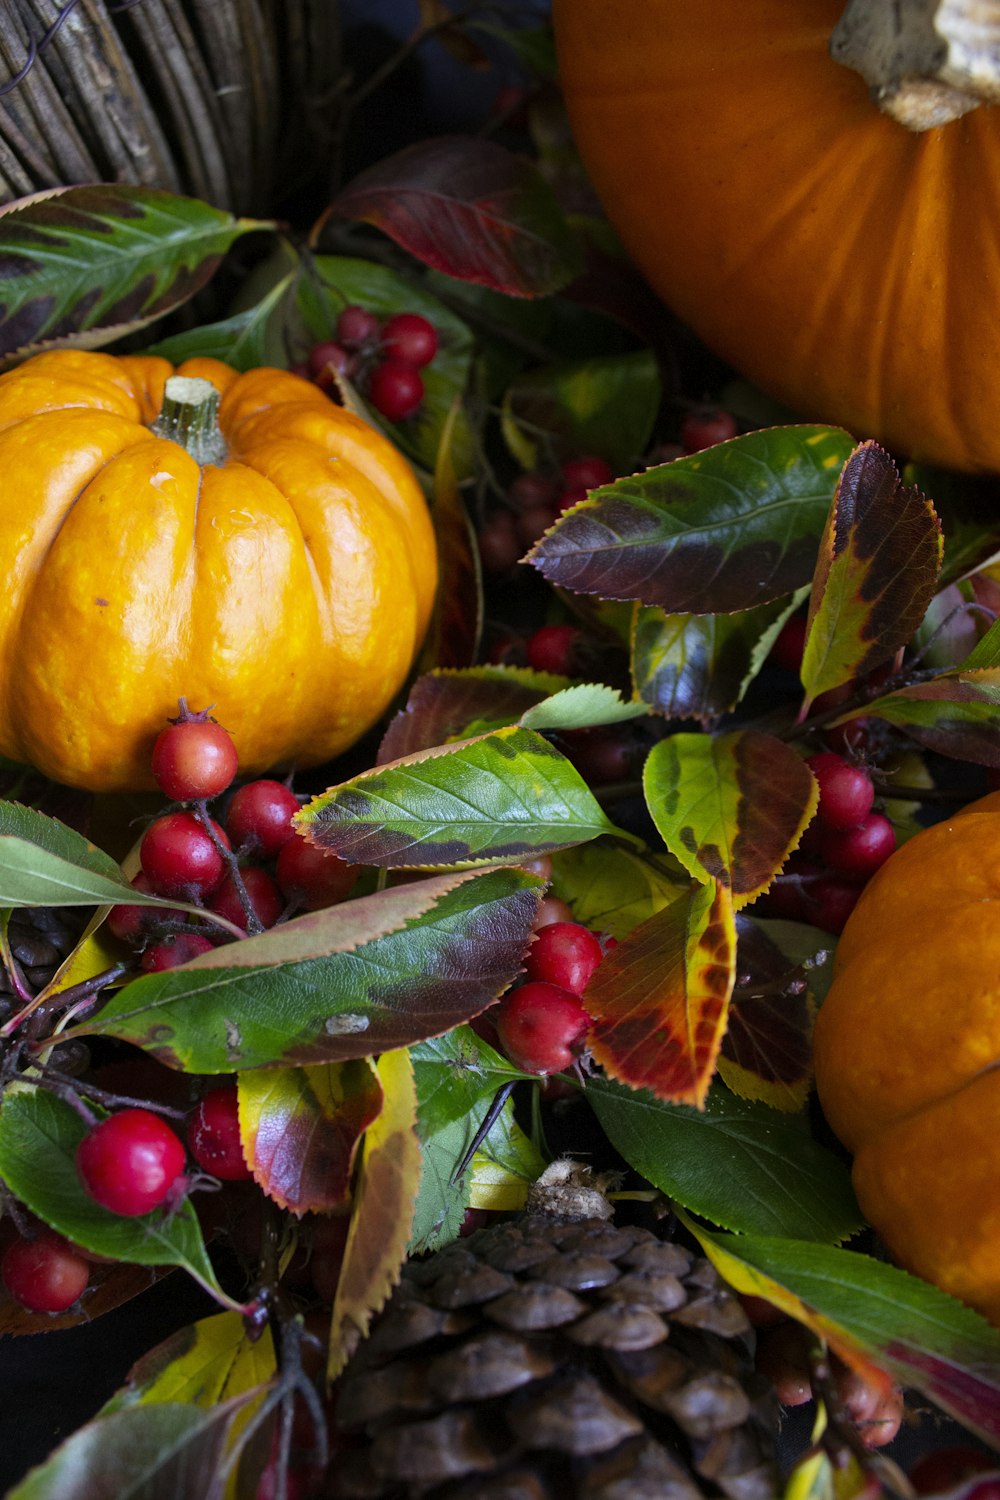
190, 416
926, 62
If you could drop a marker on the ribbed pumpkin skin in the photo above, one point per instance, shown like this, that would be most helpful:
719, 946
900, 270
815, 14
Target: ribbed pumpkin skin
287, 588
906, 1049
846, 265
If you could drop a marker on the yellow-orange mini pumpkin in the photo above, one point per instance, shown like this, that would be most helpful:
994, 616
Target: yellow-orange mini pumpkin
847, 264
282, 576
907, 1049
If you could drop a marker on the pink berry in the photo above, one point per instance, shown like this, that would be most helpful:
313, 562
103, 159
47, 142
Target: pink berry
214, 1134
411, 338
564, 954
551, 648
265, 898
846, 792
315, 877
179, 858
858, 852
532, 490
170, 952
130, 1162
395, 390
356, 326
44, 1275
193, 760
498, 541
587, 473
705, 427
259, 817
542, 1028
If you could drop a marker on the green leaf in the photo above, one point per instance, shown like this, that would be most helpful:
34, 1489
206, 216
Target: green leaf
329, 283
242, 341
86, 264
737, 1163
368, 976
730, 807
504, 797
457, 1077
39, 1135
613, 890
606, 405
582, 706
878, 569
927, 1340
728, 529
141, 1453
956, 714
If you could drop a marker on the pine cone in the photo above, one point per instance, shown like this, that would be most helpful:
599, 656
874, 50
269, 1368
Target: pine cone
556, 1357
40, 937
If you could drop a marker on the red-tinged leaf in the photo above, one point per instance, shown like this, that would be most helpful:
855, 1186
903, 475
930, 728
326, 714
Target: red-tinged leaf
699, 666
767, 1050
457, 622
470, 208
660, 1000
728, 529
956, 714
878, 569
612, 890
301, 1127
383, 1210
84, 265
449, 705
880, 1320
730, 807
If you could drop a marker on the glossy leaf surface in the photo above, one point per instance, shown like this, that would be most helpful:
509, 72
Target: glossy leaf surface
505, 796
728, 529
877, 573
88, 264
699, 666
446, 705
955, 714
613, 890
365, 977
731, 807
660, 999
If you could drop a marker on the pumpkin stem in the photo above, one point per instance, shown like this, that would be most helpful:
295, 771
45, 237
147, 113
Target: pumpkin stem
190, 416
926, 62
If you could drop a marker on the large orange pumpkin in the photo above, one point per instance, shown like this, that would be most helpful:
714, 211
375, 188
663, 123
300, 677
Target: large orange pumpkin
848, 265
907, 1051
281, 573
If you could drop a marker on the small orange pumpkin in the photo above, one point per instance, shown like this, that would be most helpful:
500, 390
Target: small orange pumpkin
848, 265
281, 573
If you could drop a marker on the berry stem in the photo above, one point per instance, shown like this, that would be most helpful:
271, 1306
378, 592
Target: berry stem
254, 925
46, 1003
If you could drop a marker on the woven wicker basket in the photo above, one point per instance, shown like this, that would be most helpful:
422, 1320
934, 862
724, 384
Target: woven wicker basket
227, 100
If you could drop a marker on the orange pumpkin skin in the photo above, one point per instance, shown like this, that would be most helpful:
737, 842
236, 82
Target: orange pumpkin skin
907, 1043
848, 266
287, 587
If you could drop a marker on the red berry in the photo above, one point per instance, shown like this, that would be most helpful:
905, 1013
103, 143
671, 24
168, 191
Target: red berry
316, 877
542, 1028
789, 644
193, 760
551, 909
499, 543
550, 649
564, 954
395, 390
574, 495
329, 359
789, 898
531, 490
130, 1162
259, 817
829, 902
214, 1134
179, 948
586, 473
265, 898
947, 1467
179, 858
602, 755
783, 1358
846, 793
356, 326
128, 923
411, 338
44, 1275
705, 427
858, 852
877, 1412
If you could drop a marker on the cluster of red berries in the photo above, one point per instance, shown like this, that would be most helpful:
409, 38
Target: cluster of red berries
130, 1163
840, 850
383, 359
534, 501
542, 1025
